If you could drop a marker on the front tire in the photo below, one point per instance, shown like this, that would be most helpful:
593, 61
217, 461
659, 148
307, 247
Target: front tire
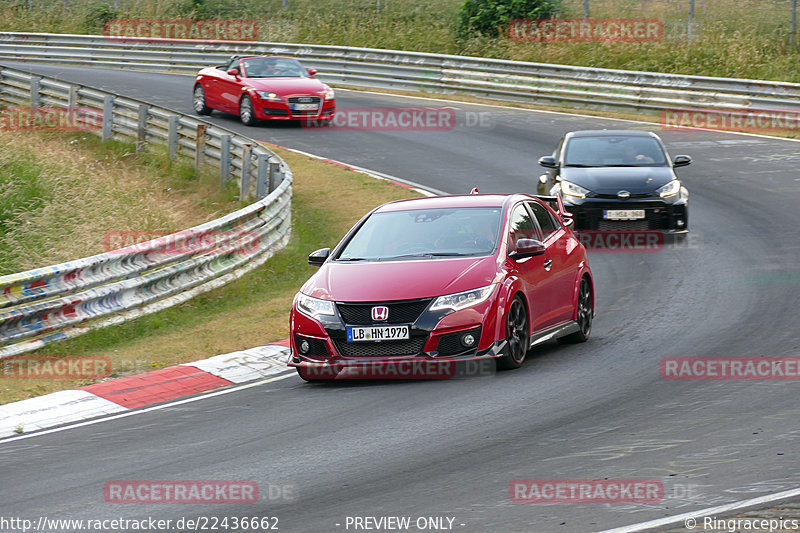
246, 111
517, 336
585, 315
199, 101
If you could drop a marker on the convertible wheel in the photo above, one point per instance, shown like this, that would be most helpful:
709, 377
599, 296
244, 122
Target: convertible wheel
585, 315
199, 101
246, 111
517, 336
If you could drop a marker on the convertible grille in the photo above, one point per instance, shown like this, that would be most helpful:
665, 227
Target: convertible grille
413, 346
402, 312
305, 100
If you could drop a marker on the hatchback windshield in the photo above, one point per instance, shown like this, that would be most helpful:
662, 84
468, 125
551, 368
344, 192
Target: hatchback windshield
425, 233
614, 151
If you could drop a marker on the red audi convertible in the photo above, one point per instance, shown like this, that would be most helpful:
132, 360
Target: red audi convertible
444, 279
263, 87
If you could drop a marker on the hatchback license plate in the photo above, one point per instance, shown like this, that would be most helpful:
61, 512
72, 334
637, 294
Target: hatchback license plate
378, 333
623, 214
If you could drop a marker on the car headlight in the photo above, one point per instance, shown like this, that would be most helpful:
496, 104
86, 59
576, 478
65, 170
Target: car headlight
462, 300
570, 189
329, 94
266, 95
670, 189
313, 307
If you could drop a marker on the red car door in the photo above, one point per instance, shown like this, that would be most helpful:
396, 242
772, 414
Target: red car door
564, 256
531, 270
229, 88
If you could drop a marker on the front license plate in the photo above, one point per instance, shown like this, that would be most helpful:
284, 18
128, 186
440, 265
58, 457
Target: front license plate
378, 333
304, 107
623, 214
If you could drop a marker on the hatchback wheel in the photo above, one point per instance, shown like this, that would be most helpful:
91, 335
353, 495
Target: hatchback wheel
517, 336
585, 315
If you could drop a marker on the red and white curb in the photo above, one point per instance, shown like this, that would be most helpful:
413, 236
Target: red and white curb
131, 392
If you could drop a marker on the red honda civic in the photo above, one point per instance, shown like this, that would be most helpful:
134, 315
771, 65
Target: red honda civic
263, 87
444, 279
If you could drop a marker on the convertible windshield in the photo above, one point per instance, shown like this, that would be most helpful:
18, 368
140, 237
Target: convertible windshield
614, 151
425, 234
267, 67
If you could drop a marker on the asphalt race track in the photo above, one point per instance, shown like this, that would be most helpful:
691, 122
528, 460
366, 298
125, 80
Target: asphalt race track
451, 448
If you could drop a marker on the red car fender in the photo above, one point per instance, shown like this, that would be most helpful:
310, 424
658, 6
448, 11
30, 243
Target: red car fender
583, 269
509, 287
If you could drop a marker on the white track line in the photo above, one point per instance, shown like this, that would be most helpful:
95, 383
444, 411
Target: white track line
691, 517
148, 409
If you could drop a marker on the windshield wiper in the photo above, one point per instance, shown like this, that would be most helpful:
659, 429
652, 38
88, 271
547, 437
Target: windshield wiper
578, 165
351, 259
428, 254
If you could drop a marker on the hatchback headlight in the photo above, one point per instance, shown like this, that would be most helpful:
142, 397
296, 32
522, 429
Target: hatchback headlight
313, 307
670, 189
462, 300
570, 189
266, 95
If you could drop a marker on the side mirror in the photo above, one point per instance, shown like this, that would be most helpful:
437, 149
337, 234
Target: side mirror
233, 72
527, 248
317, 257
548, 162
681, 161
312, 71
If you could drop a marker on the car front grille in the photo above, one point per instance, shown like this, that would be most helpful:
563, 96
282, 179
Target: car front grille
276, 112
401, 312
305, 100
412, 346
623, 224
632, 196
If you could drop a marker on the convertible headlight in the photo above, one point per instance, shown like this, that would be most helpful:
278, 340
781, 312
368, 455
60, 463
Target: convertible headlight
571, 189
670, 189
329, 94
266, 95
313, 307
462, 300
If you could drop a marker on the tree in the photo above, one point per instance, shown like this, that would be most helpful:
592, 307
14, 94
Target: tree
487, 16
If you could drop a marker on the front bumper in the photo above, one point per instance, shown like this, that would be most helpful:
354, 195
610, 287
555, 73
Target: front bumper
435, 337
660, 215
281, 110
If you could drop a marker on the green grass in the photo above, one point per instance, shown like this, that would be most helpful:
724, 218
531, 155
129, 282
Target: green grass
733, 38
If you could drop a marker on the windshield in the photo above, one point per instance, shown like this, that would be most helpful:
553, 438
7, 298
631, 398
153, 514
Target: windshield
425, 233
268, 67
608, 151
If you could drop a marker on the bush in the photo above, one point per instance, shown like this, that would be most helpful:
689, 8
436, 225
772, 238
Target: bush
487, 16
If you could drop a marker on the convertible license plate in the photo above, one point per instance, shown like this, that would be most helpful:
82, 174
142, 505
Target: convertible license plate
623, 214
378, 333
304, 107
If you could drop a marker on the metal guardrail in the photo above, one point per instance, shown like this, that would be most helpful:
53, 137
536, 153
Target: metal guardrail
570, 86
48, 304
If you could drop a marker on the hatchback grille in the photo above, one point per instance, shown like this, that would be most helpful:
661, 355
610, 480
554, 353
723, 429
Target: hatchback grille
633, 195
413, 346
623, 225
402, 312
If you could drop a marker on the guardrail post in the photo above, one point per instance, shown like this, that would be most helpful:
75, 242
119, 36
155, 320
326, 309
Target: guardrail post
274, 175
199, 147
262, 175
36, 82
108, 117
72, 97
141, 130
172, 136
244, 185
224, 159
